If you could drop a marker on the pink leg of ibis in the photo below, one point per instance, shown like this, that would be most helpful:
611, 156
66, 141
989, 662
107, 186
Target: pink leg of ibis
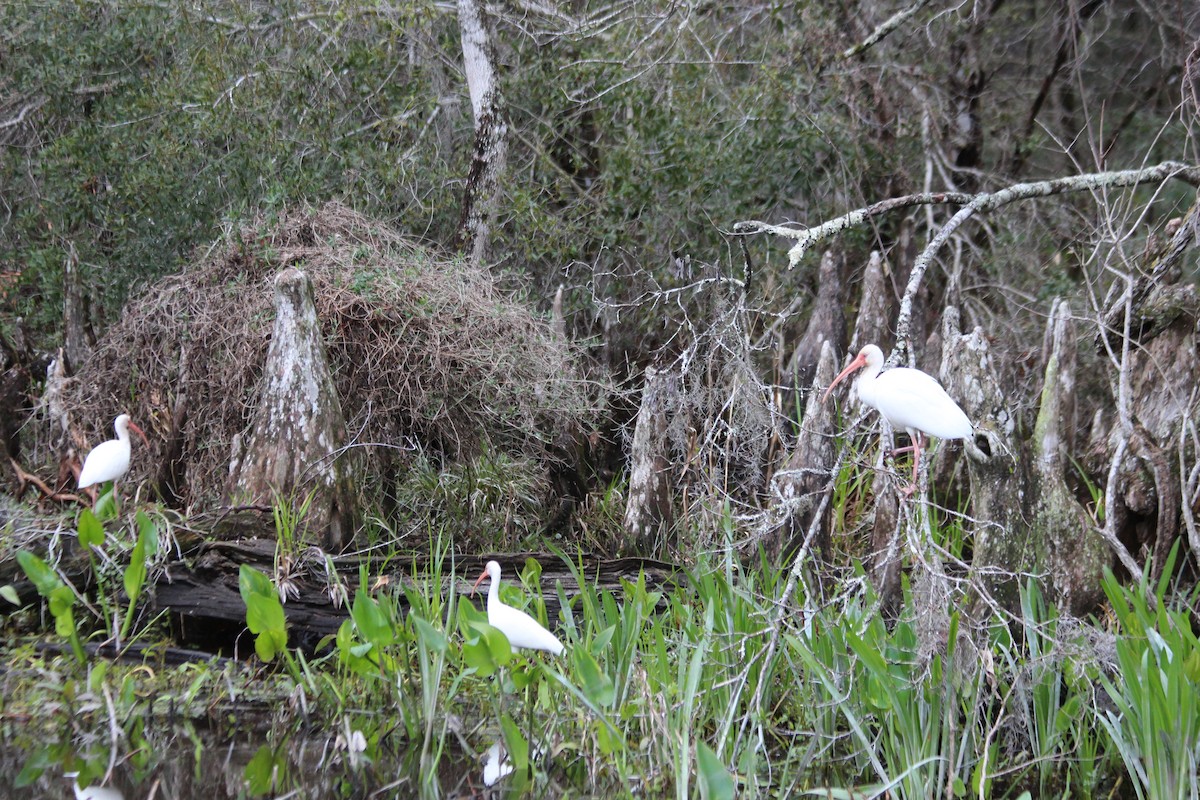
918, 443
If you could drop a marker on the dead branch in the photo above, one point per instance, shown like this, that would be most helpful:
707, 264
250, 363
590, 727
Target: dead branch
990, 201
808, 237
888, 25
26, 479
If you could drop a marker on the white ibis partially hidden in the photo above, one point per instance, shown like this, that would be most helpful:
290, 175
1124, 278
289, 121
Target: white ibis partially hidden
522, 630
909, 399
109, 460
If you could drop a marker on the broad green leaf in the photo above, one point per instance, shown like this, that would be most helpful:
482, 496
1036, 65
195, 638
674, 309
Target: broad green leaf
497, 643
715, 783
10, 594
135, 573
260, 772
91, 532
38, 572
106, 504
148, 533
596, 684
62, 600
252, 582
430, 636
517, 746
372, 620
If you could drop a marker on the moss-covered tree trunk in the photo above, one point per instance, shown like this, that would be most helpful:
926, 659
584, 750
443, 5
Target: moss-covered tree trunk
997, 470
1065, 544
294, 444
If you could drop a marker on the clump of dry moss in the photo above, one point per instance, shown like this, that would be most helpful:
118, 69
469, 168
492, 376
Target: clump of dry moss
428, 355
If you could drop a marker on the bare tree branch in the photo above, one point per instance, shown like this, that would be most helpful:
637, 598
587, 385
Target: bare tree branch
990, 201
889, 25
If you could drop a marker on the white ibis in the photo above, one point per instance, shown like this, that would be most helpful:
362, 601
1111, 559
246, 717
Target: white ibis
109, 460
495, 767
92, 792
522, 630
909, 399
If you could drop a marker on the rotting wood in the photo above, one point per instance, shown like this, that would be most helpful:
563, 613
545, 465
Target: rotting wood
203, 588
648, 508
294, 442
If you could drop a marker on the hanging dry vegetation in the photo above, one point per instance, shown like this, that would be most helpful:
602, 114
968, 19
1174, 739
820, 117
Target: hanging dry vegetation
428, 355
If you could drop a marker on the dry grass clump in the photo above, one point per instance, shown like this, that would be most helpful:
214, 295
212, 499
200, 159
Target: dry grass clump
428, 354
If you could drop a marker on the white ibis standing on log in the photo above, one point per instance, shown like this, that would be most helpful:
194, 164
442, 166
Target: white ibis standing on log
909, 399
109, 460
522, 630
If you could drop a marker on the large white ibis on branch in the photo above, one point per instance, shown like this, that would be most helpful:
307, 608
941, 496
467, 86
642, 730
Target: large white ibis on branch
909, 399
109, 460
522, 630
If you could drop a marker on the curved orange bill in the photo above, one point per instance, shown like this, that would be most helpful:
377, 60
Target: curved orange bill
858, 363
478, 581
133, 427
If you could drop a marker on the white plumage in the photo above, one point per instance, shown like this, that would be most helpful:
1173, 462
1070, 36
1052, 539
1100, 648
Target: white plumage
909, 399
522, 630
109, 460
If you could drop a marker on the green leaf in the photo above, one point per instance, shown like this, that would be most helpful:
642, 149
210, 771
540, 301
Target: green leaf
39, 573
91, 532
260, 772
374, 623
264, 612
62, 600
135, 573
430, 636
147, 533
10, 594
488, 650
715, 783
517, 746
252, 582
596, 684
603, 638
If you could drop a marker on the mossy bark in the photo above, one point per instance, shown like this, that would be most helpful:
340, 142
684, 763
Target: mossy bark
294, 442
1066, 545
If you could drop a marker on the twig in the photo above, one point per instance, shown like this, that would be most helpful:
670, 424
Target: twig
1109, 529
889, 25
25, 478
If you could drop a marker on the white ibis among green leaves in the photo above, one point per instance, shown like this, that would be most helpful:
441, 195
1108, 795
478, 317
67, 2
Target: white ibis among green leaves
522, 630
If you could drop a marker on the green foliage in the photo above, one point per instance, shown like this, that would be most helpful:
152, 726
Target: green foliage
139, 560
264, 612
1155, 725
60, 597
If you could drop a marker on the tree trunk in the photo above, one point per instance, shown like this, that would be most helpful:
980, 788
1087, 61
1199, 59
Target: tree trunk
294, 443
808, 470
996, 470
826, 324
1064, 544
490, 155
648, 508
74, 314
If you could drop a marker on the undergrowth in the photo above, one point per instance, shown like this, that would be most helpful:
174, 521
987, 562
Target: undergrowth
668, 690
